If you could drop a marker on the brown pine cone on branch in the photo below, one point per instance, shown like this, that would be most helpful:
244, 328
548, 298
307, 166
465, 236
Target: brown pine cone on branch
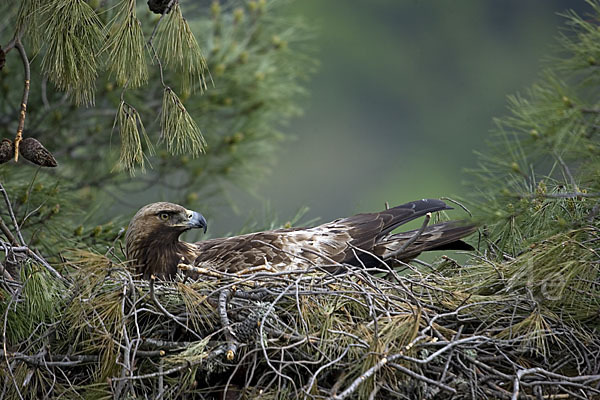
7, 150
32, 150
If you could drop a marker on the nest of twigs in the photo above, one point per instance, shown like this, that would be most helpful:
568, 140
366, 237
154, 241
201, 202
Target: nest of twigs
489, 330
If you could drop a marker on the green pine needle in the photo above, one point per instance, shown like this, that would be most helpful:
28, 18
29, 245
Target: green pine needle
130, 125
125, 48
178, 129
29, 15
74, 36
41, 300
178, 47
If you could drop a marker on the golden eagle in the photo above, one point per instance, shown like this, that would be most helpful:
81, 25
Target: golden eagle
152, 240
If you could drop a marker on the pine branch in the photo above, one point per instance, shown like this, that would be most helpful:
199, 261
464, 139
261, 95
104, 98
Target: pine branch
22, 114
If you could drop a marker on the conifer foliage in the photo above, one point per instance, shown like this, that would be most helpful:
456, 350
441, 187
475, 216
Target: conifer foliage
519, 319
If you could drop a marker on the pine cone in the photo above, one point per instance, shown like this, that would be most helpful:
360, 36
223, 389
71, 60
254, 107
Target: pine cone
158, 6
34, 151
246, 330
7, 150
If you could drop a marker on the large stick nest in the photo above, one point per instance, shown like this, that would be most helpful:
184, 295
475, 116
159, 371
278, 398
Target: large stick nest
523, 328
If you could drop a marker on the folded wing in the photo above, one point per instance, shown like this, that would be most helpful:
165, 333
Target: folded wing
339, 241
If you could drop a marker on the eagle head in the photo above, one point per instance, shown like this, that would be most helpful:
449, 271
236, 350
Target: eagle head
152, 239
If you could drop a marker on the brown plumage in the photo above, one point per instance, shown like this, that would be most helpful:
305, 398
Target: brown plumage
153, 244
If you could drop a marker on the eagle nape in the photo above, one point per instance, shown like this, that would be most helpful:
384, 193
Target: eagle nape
154, 248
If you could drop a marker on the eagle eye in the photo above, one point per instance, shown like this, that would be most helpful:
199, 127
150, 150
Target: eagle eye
163, 216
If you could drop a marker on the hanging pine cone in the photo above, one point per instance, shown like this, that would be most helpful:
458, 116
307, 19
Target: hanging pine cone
158, 6
7, 150
32, 150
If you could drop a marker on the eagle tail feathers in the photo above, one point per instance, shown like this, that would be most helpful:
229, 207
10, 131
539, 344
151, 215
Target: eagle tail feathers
407, 212
441, 236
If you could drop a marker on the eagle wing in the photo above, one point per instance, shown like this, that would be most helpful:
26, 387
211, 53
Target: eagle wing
280, 249
327, 244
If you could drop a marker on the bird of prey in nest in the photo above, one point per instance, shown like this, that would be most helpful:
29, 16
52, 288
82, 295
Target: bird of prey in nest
153, 245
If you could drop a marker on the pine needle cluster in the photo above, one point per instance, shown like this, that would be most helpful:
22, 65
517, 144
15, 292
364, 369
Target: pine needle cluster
125, 47
73, 34
178, 129
178, 47
29, 15
130, 125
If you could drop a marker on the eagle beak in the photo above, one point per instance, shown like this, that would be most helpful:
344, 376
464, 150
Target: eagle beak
196, 220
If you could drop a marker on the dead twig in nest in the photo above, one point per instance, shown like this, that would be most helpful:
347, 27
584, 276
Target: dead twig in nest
232, 344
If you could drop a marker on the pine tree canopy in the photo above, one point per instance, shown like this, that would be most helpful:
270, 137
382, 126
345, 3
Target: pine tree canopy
117, 99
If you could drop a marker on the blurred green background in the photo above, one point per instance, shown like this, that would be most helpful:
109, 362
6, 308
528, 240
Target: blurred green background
405, 92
